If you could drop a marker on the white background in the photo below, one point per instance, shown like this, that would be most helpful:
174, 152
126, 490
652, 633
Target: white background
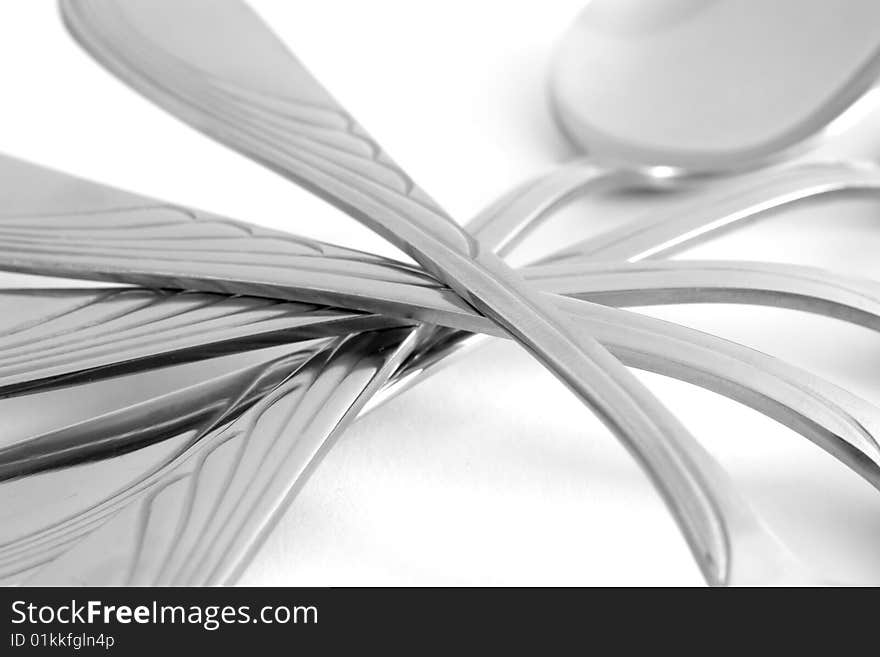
491, 472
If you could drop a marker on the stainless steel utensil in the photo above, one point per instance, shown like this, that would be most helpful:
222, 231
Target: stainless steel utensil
71, 331
214, 72
696, 86
414, 238
194, 512
512, 214
837, 421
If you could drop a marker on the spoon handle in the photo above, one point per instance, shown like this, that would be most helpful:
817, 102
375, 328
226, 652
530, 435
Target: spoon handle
716, 210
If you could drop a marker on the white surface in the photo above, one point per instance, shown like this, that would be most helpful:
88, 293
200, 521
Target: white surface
490, 473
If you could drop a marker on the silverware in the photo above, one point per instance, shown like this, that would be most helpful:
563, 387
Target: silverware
617, 273
194, 514
295, 127
416, 236
837, 421
620, 93
101, 333
712, 212
80, 324
697, 87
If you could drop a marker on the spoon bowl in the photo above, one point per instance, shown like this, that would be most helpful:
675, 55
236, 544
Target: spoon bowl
704, 86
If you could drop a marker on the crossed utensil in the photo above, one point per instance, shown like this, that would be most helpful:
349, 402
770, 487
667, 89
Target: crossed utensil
358, 327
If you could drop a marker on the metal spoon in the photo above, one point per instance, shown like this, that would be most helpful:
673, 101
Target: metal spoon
670, 90
710, 85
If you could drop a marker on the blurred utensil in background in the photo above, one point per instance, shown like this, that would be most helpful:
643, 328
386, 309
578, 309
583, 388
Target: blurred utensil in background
710, 86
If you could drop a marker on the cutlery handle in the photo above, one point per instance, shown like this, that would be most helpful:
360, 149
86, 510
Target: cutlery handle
714, 211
